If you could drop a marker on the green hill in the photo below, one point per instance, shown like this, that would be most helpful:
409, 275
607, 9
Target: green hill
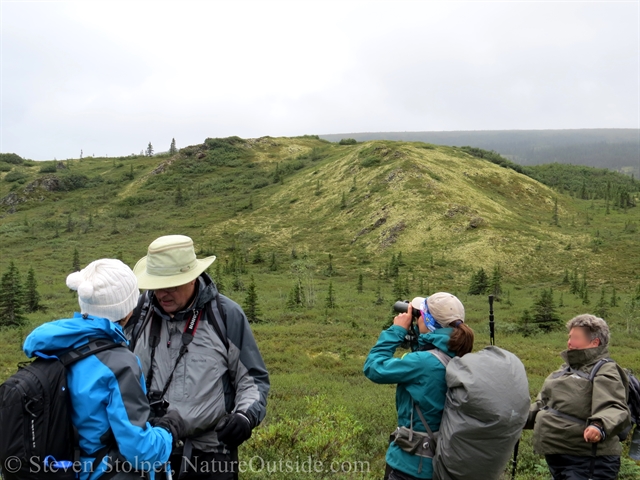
303, 213
360, 202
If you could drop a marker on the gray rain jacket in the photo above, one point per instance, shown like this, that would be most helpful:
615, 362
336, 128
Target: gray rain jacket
209, 381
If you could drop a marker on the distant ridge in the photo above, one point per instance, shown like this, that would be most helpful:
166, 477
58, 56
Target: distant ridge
614, 148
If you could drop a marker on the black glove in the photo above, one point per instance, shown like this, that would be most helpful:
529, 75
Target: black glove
234, 429
173, 423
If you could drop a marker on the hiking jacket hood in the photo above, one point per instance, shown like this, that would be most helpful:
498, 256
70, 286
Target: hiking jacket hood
107, 393
420, 376
603, 401
209, 381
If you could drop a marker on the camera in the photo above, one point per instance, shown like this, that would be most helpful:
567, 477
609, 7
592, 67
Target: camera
158, 404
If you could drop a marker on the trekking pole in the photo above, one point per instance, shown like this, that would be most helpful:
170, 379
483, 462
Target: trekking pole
492, 325
514, 464
592, 464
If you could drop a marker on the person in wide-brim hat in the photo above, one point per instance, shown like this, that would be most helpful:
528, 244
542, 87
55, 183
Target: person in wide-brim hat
199, 357
170, 262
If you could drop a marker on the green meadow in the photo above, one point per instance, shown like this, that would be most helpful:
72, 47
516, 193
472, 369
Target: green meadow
301, 216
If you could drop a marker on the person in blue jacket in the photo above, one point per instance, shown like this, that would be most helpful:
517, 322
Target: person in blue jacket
109, 405
420, 375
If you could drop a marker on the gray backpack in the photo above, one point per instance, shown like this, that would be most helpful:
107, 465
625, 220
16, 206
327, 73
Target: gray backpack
486, 407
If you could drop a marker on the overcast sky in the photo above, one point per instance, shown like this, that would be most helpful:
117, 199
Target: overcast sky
109, 77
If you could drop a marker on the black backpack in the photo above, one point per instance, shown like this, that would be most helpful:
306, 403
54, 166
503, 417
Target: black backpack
38, 440
633, 389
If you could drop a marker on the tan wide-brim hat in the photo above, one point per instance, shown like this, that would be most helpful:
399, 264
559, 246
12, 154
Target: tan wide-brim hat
170, 262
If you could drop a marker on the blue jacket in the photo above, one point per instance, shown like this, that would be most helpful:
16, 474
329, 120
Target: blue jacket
420, 376
107, 393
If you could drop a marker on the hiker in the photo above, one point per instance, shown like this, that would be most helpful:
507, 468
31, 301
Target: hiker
420, 375
199, 356
576, 418
109, 407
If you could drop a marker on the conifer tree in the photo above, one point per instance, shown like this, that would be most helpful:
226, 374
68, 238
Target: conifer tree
32, 297
251, 308
11, 298
75, 267
544, 311
330, 301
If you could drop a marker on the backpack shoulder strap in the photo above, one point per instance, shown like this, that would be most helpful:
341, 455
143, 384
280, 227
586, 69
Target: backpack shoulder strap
596, 368
441, 356
91, 348
139, 319
218, 319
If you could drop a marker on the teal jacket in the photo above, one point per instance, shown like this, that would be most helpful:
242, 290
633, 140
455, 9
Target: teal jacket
420, 376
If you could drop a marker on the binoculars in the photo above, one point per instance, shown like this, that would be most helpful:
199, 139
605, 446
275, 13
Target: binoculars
402, 306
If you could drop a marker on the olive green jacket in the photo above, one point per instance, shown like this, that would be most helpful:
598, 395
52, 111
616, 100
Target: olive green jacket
568, 393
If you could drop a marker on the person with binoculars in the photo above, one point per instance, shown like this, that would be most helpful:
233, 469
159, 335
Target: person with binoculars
420, 375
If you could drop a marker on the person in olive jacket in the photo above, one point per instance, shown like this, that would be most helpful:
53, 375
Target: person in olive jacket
582, 407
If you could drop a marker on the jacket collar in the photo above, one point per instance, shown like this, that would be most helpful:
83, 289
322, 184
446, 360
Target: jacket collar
584, 357
439, 339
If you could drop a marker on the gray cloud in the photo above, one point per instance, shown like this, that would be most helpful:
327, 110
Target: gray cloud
110, 77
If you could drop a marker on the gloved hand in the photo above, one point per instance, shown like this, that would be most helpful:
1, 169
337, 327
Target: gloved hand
173, 423
234, 429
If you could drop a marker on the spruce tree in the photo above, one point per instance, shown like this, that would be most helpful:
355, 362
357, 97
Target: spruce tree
330, 271
479, 283
495, 284
614, 298
330, 301
32, 300
555, 212
11, 298
172, 149
237, 284
217, 278
75, 267
251, 308
360, 286
379, 299
585, 295
602, 309
393, 268
398, 288
544, 312
575, 285
257, 257
273, 265
296, 295
149, 151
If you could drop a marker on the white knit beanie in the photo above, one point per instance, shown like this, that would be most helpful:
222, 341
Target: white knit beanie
107, 288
